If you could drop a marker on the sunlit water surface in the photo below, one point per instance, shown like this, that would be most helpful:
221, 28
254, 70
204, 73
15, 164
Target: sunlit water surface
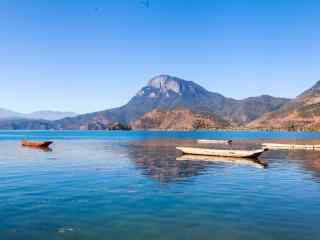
97, 185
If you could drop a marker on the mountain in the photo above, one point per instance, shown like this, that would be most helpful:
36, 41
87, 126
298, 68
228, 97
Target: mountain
44, 115
301, 113
251, 108
167, 92
179, 119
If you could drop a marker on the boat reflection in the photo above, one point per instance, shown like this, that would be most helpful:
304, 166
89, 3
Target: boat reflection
159, 162
158, 159
43, 149
239, 161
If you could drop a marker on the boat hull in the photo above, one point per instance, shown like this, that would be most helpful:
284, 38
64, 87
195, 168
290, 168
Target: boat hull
213, 141
36, 144
222, 153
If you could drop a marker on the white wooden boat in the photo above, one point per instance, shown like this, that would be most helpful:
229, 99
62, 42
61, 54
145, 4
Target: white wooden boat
214, 141
222, 152
239, 161
291, 146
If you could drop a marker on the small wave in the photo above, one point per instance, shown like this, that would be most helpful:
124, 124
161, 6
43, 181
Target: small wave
65, 230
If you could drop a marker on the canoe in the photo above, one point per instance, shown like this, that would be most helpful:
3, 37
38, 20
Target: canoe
37, 144
214, 141
240, 161
222, 152
291, 146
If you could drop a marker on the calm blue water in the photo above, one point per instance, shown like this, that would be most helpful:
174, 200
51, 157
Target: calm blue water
129, 185
18, 135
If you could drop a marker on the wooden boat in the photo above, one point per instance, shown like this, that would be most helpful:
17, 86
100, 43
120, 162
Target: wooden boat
37, 144
222, 152
291, 146
241, 161
214, 141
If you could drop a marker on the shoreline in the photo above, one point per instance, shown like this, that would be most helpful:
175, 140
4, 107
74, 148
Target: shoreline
159, 130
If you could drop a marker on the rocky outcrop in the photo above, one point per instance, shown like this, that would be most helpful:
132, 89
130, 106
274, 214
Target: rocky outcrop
119, 126
179, 119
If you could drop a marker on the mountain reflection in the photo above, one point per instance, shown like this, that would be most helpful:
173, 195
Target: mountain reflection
157, 159
308, 160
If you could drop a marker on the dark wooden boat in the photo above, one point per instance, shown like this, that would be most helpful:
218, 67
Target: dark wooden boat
37, 144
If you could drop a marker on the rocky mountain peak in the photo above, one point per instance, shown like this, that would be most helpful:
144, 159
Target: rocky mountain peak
315, 88
317, 85
166, 83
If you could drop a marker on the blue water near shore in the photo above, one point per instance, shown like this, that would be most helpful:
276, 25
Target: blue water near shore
43, 135
129, 185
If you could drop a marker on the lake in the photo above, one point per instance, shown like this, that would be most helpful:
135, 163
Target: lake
130, 185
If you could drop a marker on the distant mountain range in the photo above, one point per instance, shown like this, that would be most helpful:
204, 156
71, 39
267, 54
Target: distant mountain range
43, 115
168, 102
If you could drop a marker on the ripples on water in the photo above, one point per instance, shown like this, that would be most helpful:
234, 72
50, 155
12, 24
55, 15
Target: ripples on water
134, 188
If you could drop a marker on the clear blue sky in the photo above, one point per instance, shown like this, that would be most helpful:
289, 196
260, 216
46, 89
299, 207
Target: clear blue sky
85, 56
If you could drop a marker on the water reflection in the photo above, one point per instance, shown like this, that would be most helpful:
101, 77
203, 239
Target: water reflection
239, 161
160, 160
309, 160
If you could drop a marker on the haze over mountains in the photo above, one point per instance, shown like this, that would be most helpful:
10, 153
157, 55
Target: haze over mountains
44, 115
168, 102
